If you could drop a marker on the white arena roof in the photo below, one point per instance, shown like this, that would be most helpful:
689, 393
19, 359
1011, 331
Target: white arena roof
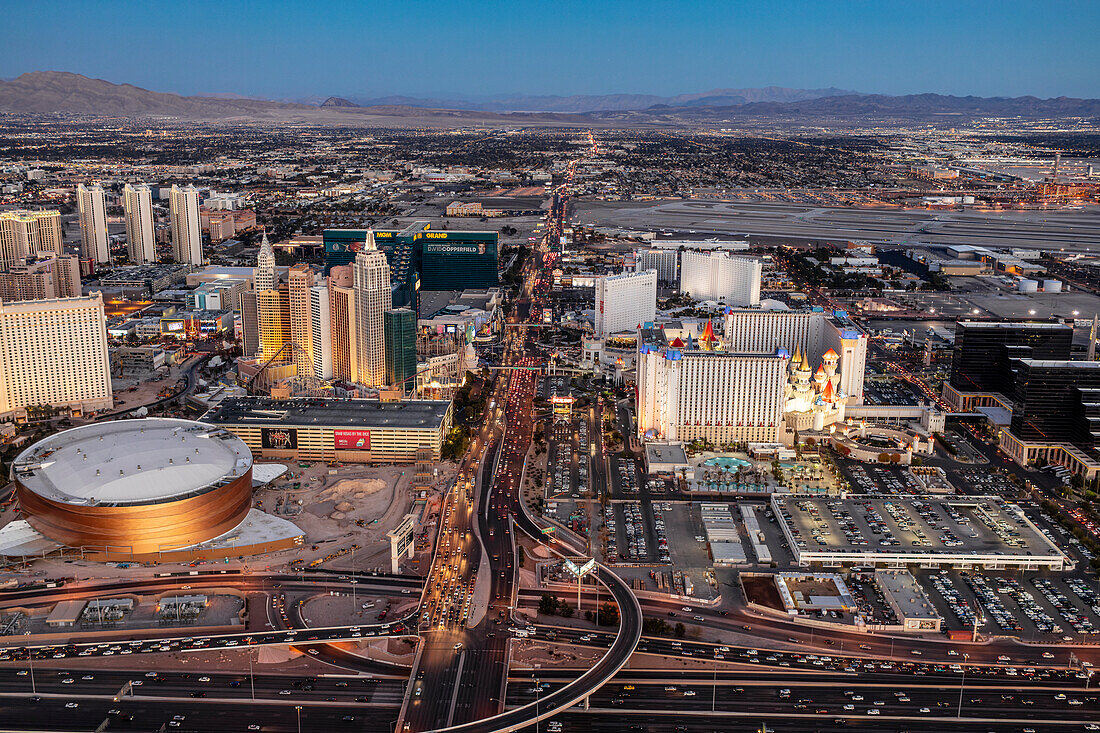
128, 462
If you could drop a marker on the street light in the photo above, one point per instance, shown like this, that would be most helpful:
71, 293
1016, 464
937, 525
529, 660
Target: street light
714, 686
538, 689
962, 685
580, 572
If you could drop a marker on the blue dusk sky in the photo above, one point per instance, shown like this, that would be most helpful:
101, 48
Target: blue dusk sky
284, 49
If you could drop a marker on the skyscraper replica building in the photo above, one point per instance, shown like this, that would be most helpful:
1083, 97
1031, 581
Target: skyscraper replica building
400, 328
263, 275
371, 281
321, 325
342, 321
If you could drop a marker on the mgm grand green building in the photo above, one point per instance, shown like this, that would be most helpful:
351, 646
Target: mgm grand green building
422, 258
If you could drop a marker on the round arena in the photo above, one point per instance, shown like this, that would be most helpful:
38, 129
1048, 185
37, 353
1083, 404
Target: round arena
135, 486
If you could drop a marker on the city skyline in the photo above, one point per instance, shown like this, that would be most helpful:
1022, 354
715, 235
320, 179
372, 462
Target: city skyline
591, 48
650, 409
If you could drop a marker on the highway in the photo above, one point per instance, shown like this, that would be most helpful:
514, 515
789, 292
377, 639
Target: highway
465, 669
144, 641
505, 508
778, 634
789, 697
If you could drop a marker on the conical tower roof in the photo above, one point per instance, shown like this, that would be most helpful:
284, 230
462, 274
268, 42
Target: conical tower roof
805, 365
708, 332
265, 246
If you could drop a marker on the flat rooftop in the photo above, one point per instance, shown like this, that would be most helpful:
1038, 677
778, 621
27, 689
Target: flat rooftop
142, 272
906, 593
665, 453
129, 462
999, 325
317, 412
932, 526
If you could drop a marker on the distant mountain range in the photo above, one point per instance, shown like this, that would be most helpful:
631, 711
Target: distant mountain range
581, 103
43, 92
50, 92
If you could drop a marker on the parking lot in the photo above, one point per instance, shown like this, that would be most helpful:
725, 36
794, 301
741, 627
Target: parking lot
941, 528
886, 391
983, 481
625, 482
879, 479
567, 463
1032, 606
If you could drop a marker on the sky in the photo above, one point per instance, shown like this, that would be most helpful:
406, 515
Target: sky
284, 49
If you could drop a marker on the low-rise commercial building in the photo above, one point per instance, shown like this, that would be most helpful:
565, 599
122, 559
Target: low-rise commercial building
144, 279
908, 601
349, 430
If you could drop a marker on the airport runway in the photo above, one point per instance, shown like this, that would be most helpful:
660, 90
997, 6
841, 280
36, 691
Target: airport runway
1074, 230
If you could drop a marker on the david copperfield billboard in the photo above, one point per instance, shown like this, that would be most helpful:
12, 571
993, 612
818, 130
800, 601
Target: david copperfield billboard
351, 439
279, 438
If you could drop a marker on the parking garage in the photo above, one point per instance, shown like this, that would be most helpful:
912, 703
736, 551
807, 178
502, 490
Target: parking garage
923, 530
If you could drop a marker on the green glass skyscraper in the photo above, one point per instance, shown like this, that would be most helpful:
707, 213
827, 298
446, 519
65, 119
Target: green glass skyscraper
399, 327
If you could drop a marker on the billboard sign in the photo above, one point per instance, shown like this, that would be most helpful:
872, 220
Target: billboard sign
475, 248
279, 438
351, 439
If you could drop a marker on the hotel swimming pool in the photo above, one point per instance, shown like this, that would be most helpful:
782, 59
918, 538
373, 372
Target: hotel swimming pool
727, 463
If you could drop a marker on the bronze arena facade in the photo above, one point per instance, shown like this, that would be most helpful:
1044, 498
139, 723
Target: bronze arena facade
135, 487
